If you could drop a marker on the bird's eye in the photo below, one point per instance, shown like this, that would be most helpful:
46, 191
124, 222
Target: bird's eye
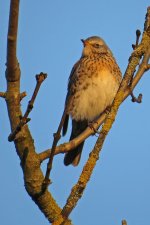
96, 45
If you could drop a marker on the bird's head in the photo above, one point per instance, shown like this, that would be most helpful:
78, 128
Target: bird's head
94, 45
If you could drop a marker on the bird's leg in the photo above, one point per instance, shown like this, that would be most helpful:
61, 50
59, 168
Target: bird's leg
91, 125
107, 110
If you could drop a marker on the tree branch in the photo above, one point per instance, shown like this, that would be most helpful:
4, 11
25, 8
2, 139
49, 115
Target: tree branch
13, 71
57, 136
24, 120
33, 176
77, 190
30, 160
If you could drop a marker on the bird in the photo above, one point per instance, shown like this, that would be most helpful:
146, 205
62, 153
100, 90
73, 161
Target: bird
93, 83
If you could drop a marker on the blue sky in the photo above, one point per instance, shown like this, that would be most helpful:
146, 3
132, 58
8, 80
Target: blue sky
49, 41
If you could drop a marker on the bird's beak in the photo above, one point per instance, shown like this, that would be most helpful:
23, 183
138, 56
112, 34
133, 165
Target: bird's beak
85, 43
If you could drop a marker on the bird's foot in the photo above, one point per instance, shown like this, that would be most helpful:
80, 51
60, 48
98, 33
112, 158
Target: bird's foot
107, 110
91, 125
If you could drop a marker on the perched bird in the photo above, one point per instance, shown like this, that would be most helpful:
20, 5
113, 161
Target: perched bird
92, 86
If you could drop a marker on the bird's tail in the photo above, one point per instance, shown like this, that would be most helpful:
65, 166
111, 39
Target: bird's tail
73, 156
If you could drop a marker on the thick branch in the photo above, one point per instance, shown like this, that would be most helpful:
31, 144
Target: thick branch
12, 65
12, 33
33, 176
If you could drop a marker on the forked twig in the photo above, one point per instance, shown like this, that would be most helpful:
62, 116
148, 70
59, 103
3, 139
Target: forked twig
39, 79
136, 99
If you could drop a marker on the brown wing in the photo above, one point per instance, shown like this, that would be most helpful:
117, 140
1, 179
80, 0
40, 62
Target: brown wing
72, 79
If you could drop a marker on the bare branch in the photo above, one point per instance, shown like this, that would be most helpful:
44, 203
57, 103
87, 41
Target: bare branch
33, 176
13, 71
24, 120
63, 148
138, 34
139, 98
136, 99
57, 136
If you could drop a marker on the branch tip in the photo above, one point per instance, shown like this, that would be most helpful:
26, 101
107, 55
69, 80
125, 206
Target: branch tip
136, 99
3, 94
40, 77
124, 222
22, 95
138, 33
24, 120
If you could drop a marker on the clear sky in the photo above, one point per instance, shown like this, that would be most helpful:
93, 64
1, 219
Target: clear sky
49, 41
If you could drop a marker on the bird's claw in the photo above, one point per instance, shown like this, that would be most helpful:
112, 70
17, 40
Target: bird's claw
91, 125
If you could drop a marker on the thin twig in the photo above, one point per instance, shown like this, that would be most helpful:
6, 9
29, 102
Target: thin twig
136, 99
22, 95
138, 34
39, 79
65, 147
57, 136
139, 98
